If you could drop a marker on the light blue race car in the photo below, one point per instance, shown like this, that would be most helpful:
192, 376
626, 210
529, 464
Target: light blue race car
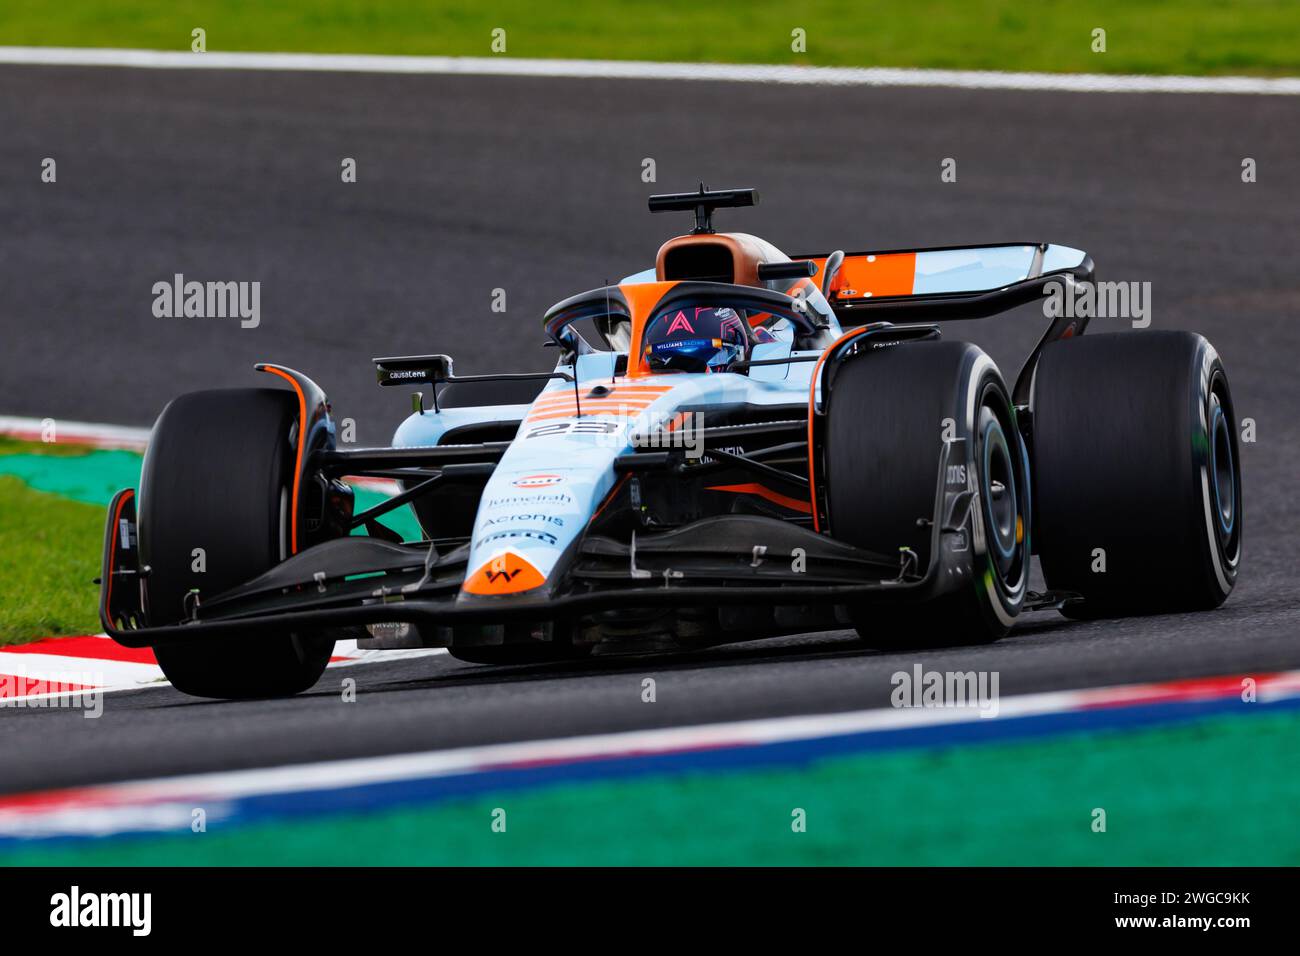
748, 444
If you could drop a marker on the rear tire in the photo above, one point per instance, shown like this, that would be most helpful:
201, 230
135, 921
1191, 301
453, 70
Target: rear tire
882, 452
1137, 473
218, 476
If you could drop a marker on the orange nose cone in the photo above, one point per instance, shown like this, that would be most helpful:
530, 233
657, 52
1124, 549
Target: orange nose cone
505, 573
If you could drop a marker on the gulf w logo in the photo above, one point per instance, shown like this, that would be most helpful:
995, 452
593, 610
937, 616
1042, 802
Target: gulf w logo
506, 572
499, 571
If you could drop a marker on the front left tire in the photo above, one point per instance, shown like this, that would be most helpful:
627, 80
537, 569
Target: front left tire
214, 504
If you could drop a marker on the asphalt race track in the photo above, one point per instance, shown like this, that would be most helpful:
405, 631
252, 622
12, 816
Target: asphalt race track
470, 184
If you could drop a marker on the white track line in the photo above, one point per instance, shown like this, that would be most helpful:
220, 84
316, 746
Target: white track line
24, 818
641, 70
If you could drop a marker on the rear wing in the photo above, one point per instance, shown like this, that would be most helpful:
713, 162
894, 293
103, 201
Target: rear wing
947, 282
955, 282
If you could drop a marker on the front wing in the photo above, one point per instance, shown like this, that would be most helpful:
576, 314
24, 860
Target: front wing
716, 561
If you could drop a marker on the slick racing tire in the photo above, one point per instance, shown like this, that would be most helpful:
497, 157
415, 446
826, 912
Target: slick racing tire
886, 419
218, 476
1137, 473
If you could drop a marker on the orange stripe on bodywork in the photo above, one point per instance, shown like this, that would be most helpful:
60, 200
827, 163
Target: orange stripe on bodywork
622, 385
641, 400
591, 406
613, 393
598, 403
631, 401
785, 501
613, 387
297, 468
586, 413
620, 398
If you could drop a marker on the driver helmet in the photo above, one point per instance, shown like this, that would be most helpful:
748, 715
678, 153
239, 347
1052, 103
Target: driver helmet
696, 339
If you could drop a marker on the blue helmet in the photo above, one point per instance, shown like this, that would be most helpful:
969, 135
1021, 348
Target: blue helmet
691, 338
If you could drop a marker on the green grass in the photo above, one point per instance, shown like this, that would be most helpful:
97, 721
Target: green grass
1178, 795
51, 532
17, 446
49, 555
52, 500
1142, 36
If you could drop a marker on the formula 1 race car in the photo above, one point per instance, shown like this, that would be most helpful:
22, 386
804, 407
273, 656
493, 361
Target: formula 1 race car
725, 463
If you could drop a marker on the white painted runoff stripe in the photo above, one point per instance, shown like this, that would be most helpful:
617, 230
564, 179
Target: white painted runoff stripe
21, 815
99, 671
643, 70
76, 433
87, 671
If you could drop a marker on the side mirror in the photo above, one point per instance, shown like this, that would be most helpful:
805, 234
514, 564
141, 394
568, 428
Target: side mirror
798, 269
420, 369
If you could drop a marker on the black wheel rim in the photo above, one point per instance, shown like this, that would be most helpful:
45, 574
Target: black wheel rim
1224, 472
1000, 496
